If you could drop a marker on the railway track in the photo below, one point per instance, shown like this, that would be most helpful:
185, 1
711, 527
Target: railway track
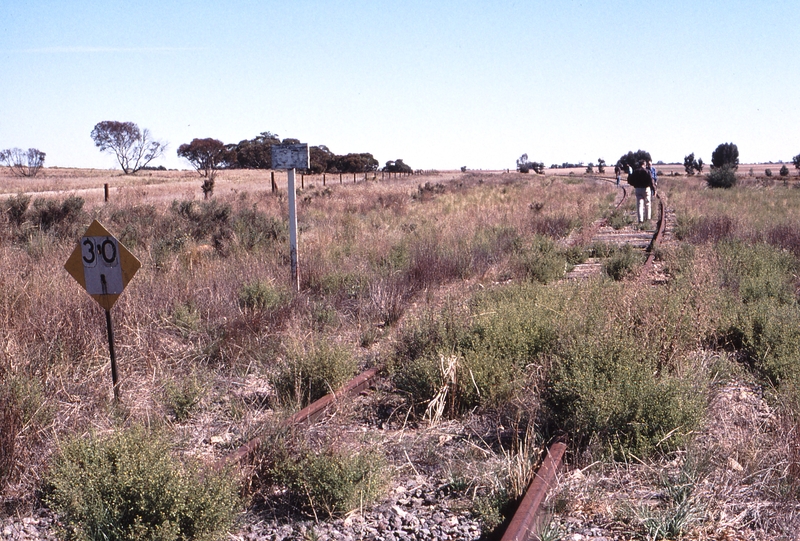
527, 520
600, 232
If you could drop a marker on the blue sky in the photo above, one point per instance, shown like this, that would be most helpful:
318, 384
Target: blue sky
438, 84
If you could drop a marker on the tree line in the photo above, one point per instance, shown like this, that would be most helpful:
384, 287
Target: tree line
134, 149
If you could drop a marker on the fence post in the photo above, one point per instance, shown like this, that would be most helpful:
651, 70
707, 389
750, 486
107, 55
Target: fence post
323, 179
340, 178
105, 189
274, 186
302, 181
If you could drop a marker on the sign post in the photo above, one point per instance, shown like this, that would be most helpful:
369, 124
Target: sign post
291, 157
103, 267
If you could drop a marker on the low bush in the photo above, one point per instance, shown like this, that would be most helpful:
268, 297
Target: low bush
757, 271
182, 396
311, 371
542, 261
623, 262
260, 295
606, 390
723, 177
332, 482
255, 230
482, 360
128, 486
15, 208
619, 219
62, 217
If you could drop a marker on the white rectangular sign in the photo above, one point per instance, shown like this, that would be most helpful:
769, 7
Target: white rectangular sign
101, 268
290, 156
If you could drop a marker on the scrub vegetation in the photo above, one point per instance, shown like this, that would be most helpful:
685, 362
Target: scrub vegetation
455, 285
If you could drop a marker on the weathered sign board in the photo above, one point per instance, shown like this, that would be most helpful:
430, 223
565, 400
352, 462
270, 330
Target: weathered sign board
102, 265
290, 156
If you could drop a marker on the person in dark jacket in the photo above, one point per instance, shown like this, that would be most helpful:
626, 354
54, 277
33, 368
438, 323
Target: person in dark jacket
641, 180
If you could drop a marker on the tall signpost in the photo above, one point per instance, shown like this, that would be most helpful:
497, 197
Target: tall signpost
103, 267
291, 157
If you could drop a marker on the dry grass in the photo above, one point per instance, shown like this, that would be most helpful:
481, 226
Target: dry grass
374, 256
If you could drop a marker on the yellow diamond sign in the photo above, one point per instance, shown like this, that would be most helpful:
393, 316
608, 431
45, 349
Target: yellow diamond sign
102, 265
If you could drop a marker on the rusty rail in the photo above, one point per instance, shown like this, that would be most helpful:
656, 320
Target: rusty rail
310, 413
528, 518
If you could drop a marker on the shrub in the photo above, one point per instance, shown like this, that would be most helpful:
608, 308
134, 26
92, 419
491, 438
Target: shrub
722, 177
205, 219
542, 262
619, 219
605, 388
768, 172
784, 172
757, 272
15, 208
334, 481
63, 216
312, 372
254, 229
771, 340
261, 295
461, 362
623, 263
128, 486
182, 396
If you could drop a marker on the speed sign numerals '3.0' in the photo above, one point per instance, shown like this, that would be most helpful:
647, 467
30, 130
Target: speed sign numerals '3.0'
102, 265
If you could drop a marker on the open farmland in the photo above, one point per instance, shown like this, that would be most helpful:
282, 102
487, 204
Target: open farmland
676, 392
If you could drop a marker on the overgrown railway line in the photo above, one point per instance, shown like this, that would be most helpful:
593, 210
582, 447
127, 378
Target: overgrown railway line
529, 515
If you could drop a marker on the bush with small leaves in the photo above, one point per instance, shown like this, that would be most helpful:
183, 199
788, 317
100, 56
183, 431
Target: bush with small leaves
331, 481
784, 172
768, 172
128, 486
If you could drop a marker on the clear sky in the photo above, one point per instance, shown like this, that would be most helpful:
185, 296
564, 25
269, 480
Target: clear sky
440, 84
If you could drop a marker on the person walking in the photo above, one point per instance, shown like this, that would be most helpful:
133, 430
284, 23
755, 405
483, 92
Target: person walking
652, 170
617, 172
642, 182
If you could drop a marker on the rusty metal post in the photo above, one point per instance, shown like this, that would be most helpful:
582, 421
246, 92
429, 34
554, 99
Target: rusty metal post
105, 190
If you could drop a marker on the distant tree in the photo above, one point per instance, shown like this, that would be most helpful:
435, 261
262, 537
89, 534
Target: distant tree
698, 165
524, 165
601, 165
796, 162
725, 154
23, 163
207, 156
254, 153
397, 166
590, 168
354, 163
691, 165
132, 147
784, 172
688, 164
768, 172
320, 158
632, 158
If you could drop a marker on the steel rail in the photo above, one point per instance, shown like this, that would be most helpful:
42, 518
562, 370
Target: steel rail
310, 413
526, 521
